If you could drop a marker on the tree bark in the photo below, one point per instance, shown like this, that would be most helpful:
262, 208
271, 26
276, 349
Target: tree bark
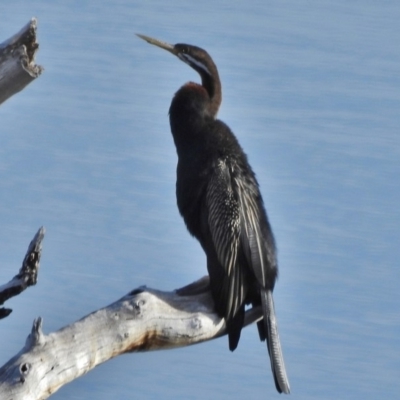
145, 319
17, 61
27, 275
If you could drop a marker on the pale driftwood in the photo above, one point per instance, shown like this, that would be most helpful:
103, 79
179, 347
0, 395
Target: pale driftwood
17, 61
145, 319
27, 275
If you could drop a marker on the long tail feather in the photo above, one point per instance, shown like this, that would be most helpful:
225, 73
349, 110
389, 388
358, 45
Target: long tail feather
274, 343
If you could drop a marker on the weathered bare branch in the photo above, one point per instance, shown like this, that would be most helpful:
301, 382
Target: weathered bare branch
27, 275
17, 61
145, 319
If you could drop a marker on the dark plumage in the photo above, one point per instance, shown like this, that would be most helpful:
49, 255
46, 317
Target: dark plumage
219, 199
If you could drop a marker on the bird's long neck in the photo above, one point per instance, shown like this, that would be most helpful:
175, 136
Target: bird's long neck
212, 84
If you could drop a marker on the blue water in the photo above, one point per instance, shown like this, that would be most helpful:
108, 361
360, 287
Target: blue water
312, 92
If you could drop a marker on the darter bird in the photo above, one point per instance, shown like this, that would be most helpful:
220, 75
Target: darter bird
219, 199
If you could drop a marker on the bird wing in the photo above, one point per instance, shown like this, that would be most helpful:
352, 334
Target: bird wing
256, 237
243, 242
224, 226
240, 232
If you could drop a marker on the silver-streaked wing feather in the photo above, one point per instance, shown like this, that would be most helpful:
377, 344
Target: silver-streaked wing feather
224, 225
258, 245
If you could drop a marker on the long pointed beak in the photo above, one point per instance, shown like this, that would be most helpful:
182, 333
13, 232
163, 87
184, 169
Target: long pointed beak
159, 43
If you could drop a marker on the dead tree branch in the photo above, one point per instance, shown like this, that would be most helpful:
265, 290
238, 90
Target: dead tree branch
27, 275
145, 319
17, 61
